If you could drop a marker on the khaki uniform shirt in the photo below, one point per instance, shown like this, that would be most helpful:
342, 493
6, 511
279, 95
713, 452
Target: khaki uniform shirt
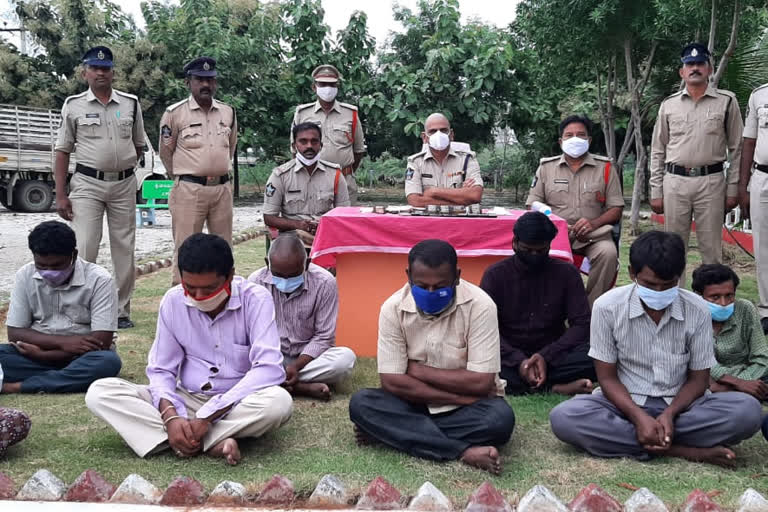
756, 125
425, 172
293, 193
573, 195
339, 143
87, 303
196, 142
465, 336
695, 133
105, 137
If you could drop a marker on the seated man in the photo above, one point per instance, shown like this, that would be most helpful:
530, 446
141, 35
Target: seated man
438, 357
535, 296
306, 306
442, 174
61, 319
300, 191
652, 346
581, 188
740, 346
214, 369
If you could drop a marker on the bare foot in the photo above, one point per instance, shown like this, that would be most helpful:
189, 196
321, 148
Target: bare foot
11, 387
313, 390
483, 457
363, 439
717, 455
577, 387
226, 449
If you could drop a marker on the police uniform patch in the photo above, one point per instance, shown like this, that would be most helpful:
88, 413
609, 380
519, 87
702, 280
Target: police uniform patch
409, 173
270, 190
534, 181
165, 131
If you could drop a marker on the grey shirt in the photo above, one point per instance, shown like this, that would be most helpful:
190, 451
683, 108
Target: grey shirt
87, 303
652, 360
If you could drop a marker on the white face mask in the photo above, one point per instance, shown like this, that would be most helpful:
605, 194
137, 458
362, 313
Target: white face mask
327, 93
575, 146
439, 141
307, 162
211, 302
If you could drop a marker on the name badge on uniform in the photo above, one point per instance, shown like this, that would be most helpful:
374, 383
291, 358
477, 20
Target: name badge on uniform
91, 116
294, 191
270, 190
561, 182
426, 175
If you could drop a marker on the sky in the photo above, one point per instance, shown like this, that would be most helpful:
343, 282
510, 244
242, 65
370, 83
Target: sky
380, 22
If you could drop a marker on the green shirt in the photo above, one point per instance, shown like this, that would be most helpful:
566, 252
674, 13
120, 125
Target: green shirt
741, 349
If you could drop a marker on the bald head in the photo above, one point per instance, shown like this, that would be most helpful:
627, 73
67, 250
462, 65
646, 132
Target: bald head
287, 256
436, 122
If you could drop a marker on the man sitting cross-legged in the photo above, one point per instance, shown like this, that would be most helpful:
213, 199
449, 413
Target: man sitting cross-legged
61, 319
535, 296
214, 369
306, 306
438, 358
740, 346
652, 346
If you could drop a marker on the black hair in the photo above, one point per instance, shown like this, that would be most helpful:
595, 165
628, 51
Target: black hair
202, 253
433, 253
713, 273
664, 253
302, 127
575, 119
534, 227
52, 237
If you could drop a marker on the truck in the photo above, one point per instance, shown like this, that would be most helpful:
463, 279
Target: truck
27, 159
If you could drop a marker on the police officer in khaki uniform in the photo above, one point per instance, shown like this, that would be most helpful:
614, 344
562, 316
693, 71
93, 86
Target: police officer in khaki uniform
753, 193
343, 139
299, 192
107, 129
696, 130
198, 136
581, 188
441, 174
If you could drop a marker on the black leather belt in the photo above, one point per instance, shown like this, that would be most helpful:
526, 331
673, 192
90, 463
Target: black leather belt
704, 170
103, 176
205, 180
760, 167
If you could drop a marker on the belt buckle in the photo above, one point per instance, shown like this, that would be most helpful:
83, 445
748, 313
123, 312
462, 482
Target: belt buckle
694, 171
211, 180
111, 176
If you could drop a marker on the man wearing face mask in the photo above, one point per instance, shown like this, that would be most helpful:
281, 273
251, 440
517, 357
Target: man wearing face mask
652, 347
300, 191
61, 319
741, 349
696, 131
198, 136
343, 138
306, 306
441, 174
214, 369
543, 314
438, 354
581, 188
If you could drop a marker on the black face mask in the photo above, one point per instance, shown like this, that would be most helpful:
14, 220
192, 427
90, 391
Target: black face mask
534, 261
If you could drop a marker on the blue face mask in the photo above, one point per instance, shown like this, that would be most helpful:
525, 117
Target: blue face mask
657, 300
720, 313
288, 284
434, 302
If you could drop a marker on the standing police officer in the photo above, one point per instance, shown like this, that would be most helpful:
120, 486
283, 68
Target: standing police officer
198, 136
696, 130
108, 129
343, 139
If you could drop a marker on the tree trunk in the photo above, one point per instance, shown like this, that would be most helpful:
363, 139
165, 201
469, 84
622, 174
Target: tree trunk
637, 192
728, 53
712, 27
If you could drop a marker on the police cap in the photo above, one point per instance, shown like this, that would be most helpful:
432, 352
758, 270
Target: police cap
694, 52
201, 66
326, 73
100, 56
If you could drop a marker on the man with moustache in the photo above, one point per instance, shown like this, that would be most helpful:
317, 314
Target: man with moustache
300, 191
198, 136
697, 130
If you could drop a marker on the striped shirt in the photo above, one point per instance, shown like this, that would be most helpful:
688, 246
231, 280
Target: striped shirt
306, 318
652, 360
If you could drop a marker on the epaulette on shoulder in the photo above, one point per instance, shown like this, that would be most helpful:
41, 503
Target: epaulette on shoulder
75, 96
725, 92
176, 105
761, 87
678, 93
330, 164
420, 153
548, 159
601, 158
127, 95
287, 166
304, 105
348, 105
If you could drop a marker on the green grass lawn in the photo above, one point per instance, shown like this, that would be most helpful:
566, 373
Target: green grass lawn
67, 439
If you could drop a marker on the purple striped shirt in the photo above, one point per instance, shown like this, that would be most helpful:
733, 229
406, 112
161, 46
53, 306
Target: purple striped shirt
306, 318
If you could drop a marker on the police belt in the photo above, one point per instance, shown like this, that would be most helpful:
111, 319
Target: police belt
704, 170
205, 180
102, 175
760, 167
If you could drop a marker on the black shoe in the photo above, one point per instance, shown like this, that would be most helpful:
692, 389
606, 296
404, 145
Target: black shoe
764, 323
124, 323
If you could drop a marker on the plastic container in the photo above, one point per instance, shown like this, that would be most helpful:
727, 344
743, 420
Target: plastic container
538, 206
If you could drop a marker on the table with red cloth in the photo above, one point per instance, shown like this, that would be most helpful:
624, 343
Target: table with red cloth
370, 253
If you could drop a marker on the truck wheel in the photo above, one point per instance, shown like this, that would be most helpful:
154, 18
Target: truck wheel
33, 196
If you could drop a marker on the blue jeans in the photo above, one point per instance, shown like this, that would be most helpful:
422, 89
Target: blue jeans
74, 377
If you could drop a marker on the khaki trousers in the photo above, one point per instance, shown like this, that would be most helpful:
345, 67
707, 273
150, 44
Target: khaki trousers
351, 188
758, 213
701, 198
330, 367
127, 407
90, 199
192, 205
603, 265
